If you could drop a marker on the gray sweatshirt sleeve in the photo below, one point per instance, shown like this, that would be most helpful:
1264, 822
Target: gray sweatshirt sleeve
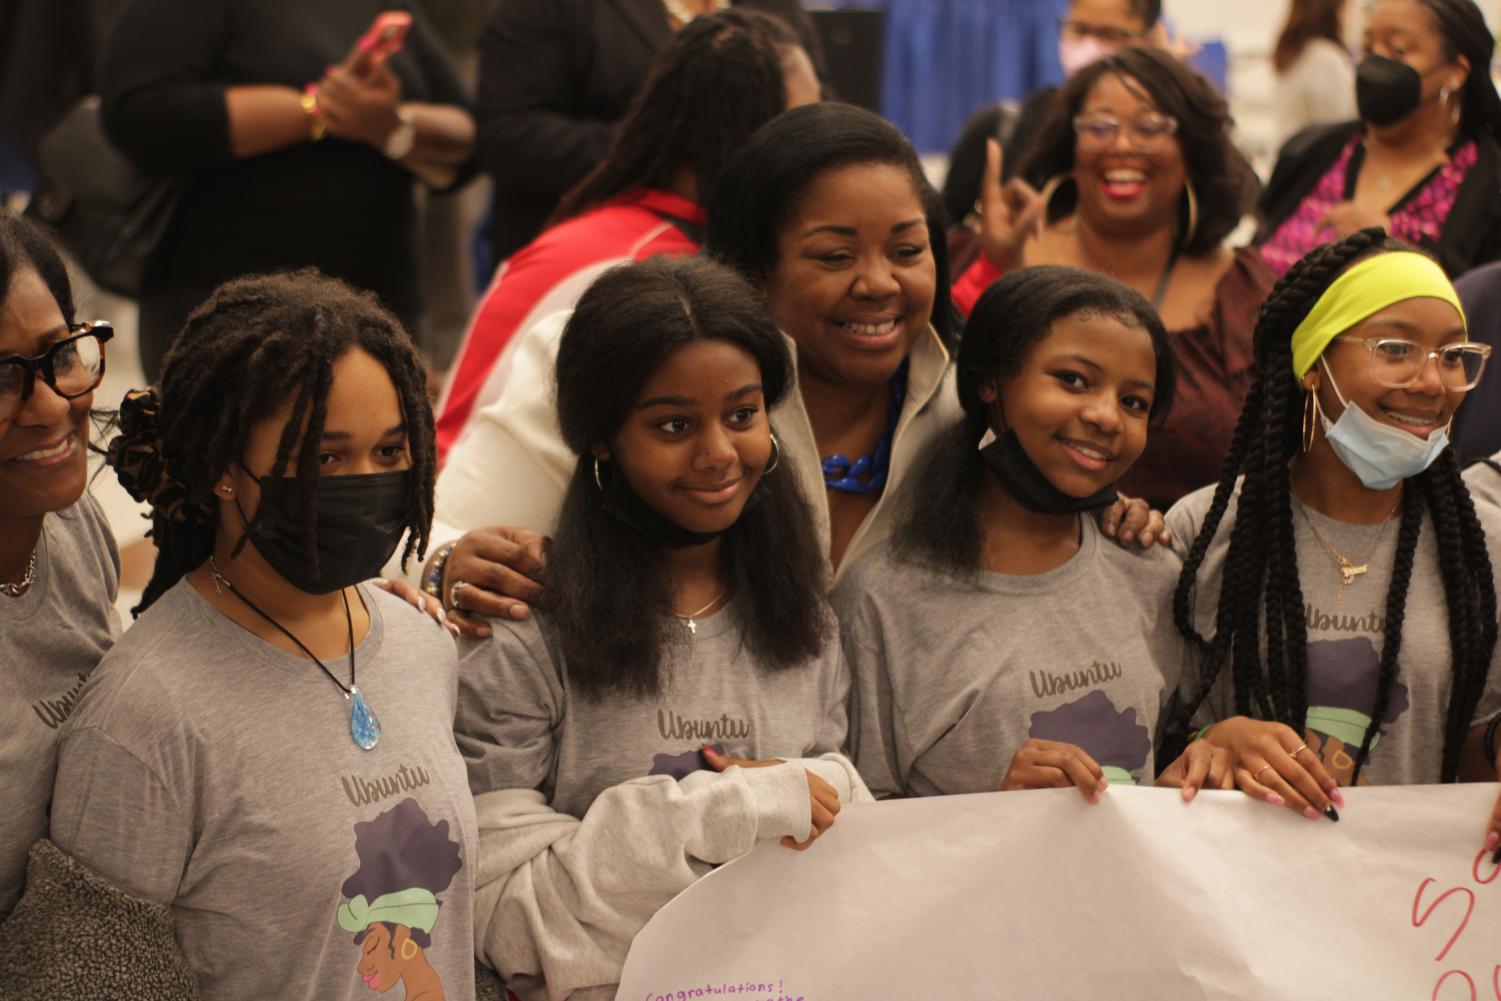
872, 724
558, 899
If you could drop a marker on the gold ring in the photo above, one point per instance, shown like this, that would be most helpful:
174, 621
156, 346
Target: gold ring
1294, 753
1257, 776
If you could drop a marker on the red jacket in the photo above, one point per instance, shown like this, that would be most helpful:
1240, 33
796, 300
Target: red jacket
548, 275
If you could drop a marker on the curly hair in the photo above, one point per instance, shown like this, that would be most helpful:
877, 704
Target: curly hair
398, 850
1013, 315
1221, 176
606, 579
718, 80
1260, 582
257, 343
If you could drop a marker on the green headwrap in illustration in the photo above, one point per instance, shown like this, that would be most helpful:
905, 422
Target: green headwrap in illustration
392, 899
1342, 679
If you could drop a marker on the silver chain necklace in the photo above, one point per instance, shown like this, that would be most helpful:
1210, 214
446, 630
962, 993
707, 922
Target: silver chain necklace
27, 579
682, 14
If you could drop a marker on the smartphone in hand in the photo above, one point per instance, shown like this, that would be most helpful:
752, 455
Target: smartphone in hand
382, 40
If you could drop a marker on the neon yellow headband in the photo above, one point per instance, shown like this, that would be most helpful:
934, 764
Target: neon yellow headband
1366, 289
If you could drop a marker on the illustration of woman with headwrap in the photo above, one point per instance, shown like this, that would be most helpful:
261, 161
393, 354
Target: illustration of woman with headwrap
392, 903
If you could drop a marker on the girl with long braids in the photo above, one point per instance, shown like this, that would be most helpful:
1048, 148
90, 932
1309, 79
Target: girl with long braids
1057, 649
621, 742
266, 703
1338, 577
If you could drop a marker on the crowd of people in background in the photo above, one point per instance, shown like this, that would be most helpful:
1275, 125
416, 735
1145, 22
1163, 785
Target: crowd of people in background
765, 479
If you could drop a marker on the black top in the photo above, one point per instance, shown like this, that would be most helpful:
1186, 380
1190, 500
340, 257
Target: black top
1471, 234
555, 77
343, 207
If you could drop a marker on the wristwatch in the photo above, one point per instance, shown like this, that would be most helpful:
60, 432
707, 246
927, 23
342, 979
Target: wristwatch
402, 138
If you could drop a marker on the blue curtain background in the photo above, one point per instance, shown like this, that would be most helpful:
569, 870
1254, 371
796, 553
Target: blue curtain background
946, 58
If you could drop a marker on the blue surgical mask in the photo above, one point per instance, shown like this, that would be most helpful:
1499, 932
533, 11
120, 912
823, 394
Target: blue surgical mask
1381, 455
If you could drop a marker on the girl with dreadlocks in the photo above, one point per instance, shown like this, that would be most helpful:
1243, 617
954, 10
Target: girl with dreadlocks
1338, 577
266, 704
997, 571
687, 636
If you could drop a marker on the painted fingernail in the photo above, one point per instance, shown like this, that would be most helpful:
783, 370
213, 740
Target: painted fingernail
1331, 813
1335, 797
453, 630
442, 614
1492, 841
1275, 799
1310, 813
1189, 792
380, 582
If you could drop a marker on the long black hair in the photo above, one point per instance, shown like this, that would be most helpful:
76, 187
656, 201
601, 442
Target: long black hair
1464, 31
1221, 176
610, 591
765, 182
718, 81
938, 523
257, 343
1260, 583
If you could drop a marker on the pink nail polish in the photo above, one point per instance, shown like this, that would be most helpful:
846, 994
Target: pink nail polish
1335, 797
1275, 799
1310, 813
1492, 841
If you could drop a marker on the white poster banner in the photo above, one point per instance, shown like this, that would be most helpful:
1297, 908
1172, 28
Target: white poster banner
1037, 896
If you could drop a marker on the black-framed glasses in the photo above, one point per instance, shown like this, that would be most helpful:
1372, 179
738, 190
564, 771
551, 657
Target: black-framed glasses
1399, 364
1148, 131
70, 368
1116, 38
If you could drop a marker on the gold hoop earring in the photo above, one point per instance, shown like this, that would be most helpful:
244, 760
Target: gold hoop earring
1046, 195
598, 482
776, 455
408, 949
1310, 418
1193, 213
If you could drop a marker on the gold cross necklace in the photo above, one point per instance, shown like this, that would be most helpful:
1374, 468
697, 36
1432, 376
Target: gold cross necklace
1349, 569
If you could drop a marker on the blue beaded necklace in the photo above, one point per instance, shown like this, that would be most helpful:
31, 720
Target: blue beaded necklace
846, 477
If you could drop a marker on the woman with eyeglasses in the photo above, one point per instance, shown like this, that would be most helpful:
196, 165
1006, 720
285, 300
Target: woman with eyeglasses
1422, 162
1339, 578
1144, 186
59, 570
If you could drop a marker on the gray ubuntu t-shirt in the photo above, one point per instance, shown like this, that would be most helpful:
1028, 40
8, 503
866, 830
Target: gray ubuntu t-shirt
210, 771
51, 638
952, 677
1345, 640
523, 725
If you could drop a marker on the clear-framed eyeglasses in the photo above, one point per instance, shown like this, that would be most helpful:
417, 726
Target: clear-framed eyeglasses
70, 368
1115, 38
1148, 131
1398, 363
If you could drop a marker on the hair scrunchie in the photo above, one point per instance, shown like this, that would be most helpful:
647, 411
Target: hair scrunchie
136, 455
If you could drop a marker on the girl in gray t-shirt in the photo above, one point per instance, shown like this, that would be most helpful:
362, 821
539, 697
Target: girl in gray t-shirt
59, 570
1339, 575
997, 641
615, 742
265, 762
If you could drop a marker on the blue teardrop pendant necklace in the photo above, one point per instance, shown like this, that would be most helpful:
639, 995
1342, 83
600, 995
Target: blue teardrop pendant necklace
364, 725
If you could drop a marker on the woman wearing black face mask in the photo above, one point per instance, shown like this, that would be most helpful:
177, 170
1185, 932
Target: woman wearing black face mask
253, 730
1423, 161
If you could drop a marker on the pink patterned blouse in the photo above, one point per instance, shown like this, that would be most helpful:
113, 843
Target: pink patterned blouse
1417, 218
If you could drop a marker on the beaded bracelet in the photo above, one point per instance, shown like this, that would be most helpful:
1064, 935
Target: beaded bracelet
1490, 740
432, 581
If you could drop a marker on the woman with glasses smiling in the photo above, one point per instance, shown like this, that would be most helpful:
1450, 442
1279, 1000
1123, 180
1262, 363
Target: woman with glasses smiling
59, 570
1145, 185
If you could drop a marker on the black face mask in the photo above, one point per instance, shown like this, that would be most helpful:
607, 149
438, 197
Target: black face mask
626, 506
360, 522
1386, 90
1014, 468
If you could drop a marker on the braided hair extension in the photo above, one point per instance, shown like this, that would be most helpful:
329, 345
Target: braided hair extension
1260, 590
256, 343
